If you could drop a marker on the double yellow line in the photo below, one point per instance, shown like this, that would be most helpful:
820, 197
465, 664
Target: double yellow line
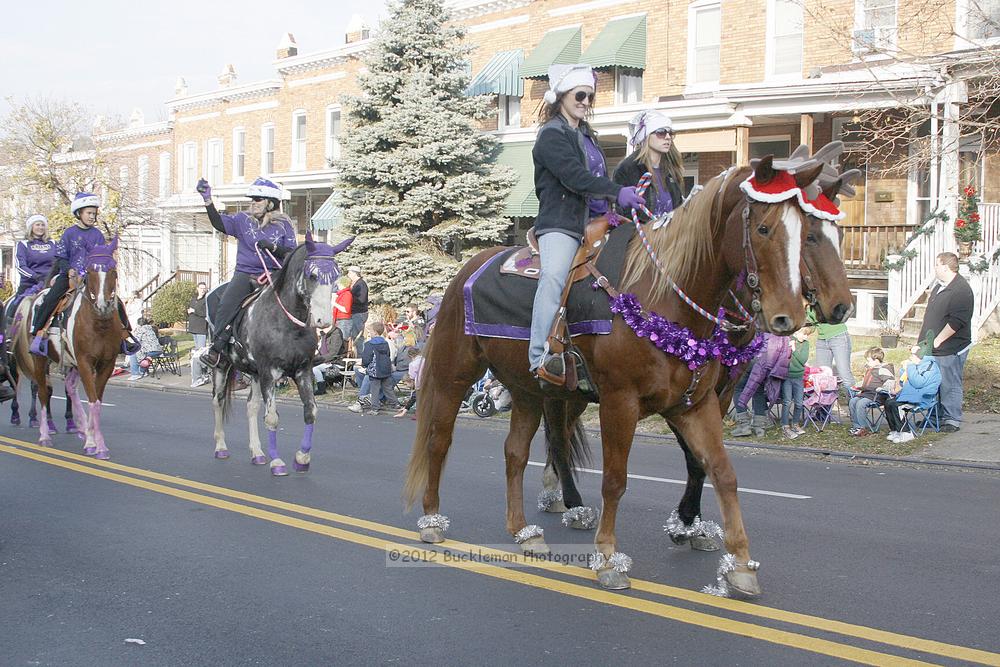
223, 498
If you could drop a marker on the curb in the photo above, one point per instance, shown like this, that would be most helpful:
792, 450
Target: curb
735, 444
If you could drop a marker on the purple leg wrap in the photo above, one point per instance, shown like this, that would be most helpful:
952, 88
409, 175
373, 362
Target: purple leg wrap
307, 438
52, 426
272, 444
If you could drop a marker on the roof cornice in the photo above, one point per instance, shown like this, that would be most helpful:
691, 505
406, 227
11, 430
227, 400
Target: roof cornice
149, 129
231, 94
321, 59
463, 10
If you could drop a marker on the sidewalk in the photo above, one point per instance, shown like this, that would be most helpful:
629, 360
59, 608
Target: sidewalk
978, 441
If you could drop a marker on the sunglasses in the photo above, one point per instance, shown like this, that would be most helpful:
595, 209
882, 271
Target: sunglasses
256, 199
663, 134
582, 95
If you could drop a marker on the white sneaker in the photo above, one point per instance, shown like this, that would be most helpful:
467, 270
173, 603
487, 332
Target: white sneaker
892, 436
355, 407
789, 432
904, 436
133, 378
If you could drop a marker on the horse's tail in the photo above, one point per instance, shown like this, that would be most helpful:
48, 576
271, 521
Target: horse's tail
228, 389
417, 470
576, 454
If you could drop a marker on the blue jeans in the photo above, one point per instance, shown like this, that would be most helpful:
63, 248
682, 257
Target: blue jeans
792, 391
836, 352
952, 369
557, 251
859, 412
358, 321
200, 340
133, 361
365, 384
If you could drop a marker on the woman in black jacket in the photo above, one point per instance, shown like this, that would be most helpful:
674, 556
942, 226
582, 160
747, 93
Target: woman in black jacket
653, 138
572, 186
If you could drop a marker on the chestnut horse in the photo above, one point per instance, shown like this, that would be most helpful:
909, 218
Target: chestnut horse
827, 291
718, 235
87, 349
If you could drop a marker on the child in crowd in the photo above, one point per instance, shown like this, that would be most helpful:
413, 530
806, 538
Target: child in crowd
376, 358
793, 387
761, 384
877, 384
918, 385
414, 371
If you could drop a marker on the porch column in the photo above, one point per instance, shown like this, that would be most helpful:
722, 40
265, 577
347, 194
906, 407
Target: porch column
742, 146
806, 131
955, 94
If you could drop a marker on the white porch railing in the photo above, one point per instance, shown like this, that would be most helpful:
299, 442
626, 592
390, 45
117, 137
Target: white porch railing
987, 290
908, 283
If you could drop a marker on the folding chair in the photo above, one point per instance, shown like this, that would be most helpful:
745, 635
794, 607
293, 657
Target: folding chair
931, 416
168, 359
876, 415
346, 368
819, 412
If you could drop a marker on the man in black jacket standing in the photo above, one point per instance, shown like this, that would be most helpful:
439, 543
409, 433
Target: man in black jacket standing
197, 322
359, 307
949, 312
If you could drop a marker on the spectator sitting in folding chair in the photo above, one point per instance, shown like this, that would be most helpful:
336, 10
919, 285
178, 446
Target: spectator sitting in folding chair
918, 388
150, 347
769, 370
878, 375
821, 389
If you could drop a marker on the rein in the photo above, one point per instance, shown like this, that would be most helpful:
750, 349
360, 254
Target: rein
267, 274
752, 280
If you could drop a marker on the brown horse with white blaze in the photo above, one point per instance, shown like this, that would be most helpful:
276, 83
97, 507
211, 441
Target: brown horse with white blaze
716, 236
90, 343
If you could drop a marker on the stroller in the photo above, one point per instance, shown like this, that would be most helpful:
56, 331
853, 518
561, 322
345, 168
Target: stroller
821, 390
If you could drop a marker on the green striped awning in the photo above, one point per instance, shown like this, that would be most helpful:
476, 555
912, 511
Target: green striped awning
326, 216
500, 76
521, 202
622, 43
557, 47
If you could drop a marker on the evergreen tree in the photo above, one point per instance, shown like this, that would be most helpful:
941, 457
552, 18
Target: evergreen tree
417, 181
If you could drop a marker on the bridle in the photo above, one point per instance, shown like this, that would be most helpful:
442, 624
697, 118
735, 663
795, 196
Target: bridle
267, 279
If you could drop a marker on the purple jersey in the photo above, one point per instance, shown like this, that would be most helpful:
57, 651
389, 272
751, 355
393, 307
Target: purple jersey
76, 243
34, 259
248, 232
596, 166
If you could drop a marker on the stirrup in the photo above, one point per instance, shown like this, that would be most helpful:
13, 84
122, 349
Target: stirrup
212, 358
553, 370
39, 346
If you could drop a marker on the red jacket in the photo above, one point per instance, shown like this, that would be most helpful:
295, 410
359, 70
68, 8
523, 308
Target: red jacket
345, 299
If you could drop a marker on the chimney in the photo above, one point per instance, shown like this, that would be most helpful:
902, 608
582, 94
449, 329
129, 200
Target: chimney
228, 76
137, 118
180, 87
357, 30
287, 47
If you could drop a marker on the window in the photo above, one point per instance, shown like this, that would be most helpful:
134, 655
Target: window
123, 179
213, 160
239, 154
764, 146
704, 52
189, 167
628, 85
983, 19
164, 175
332, 135
509, 108
298, 141
785, 47
874, 26
267, 150
142, 184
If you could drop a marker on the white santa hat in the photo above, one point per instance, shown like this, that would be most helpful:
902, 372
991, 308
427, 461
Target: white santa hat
84, 200
30, 222
568, 77
264, 188
645, 123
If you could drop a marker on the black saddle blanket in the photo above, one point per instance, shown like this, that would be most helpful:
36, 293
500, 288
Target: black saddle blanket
499, 305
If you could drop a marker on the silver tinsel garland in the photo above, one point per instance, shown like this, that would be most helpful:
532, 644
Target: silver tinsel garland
527, 533
587, 516
726, 565
433, 521
675, 527
546, 497
619, 562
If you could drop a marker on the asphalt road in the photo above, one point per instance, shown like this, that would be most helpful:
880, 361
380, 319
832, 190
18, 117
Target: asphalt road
217, 563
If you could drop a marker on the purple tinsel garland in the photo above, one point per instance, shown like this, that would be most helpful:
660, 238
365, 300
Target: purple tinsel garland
679, 341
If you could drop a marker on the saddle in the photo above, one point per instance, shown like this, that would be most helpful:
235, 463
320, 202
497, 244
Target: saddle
527, 262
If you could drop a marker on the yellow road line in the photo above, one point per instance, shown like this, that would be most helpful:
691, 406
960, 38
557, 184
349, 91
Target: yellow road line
658, 609
739, 606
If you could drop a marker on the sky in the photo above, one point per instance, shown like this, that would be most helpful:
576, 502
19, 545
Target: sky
113, 56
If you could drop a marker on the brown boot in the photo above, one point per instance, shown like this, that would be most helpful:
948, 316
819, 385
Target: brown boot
552, 370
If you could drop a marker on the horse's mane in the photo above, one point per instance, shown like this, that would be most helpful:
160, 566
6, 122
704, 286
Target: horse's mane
292, 264
684, 244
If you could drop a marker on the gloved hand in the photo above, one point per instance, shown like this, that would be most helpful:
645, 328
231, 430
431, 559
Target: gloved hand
204, 189
264, 244
628, 198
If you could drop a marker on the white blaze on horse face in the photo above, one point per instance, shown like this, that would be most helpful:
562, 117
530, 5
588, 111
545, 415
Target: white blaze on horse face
830, 232
793, 227
102, 303
321, 306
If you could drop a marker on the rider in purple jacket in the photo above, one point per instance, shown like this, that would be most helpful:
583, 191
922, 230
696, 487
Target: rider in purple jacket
265, 228
71, 256
34, 256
